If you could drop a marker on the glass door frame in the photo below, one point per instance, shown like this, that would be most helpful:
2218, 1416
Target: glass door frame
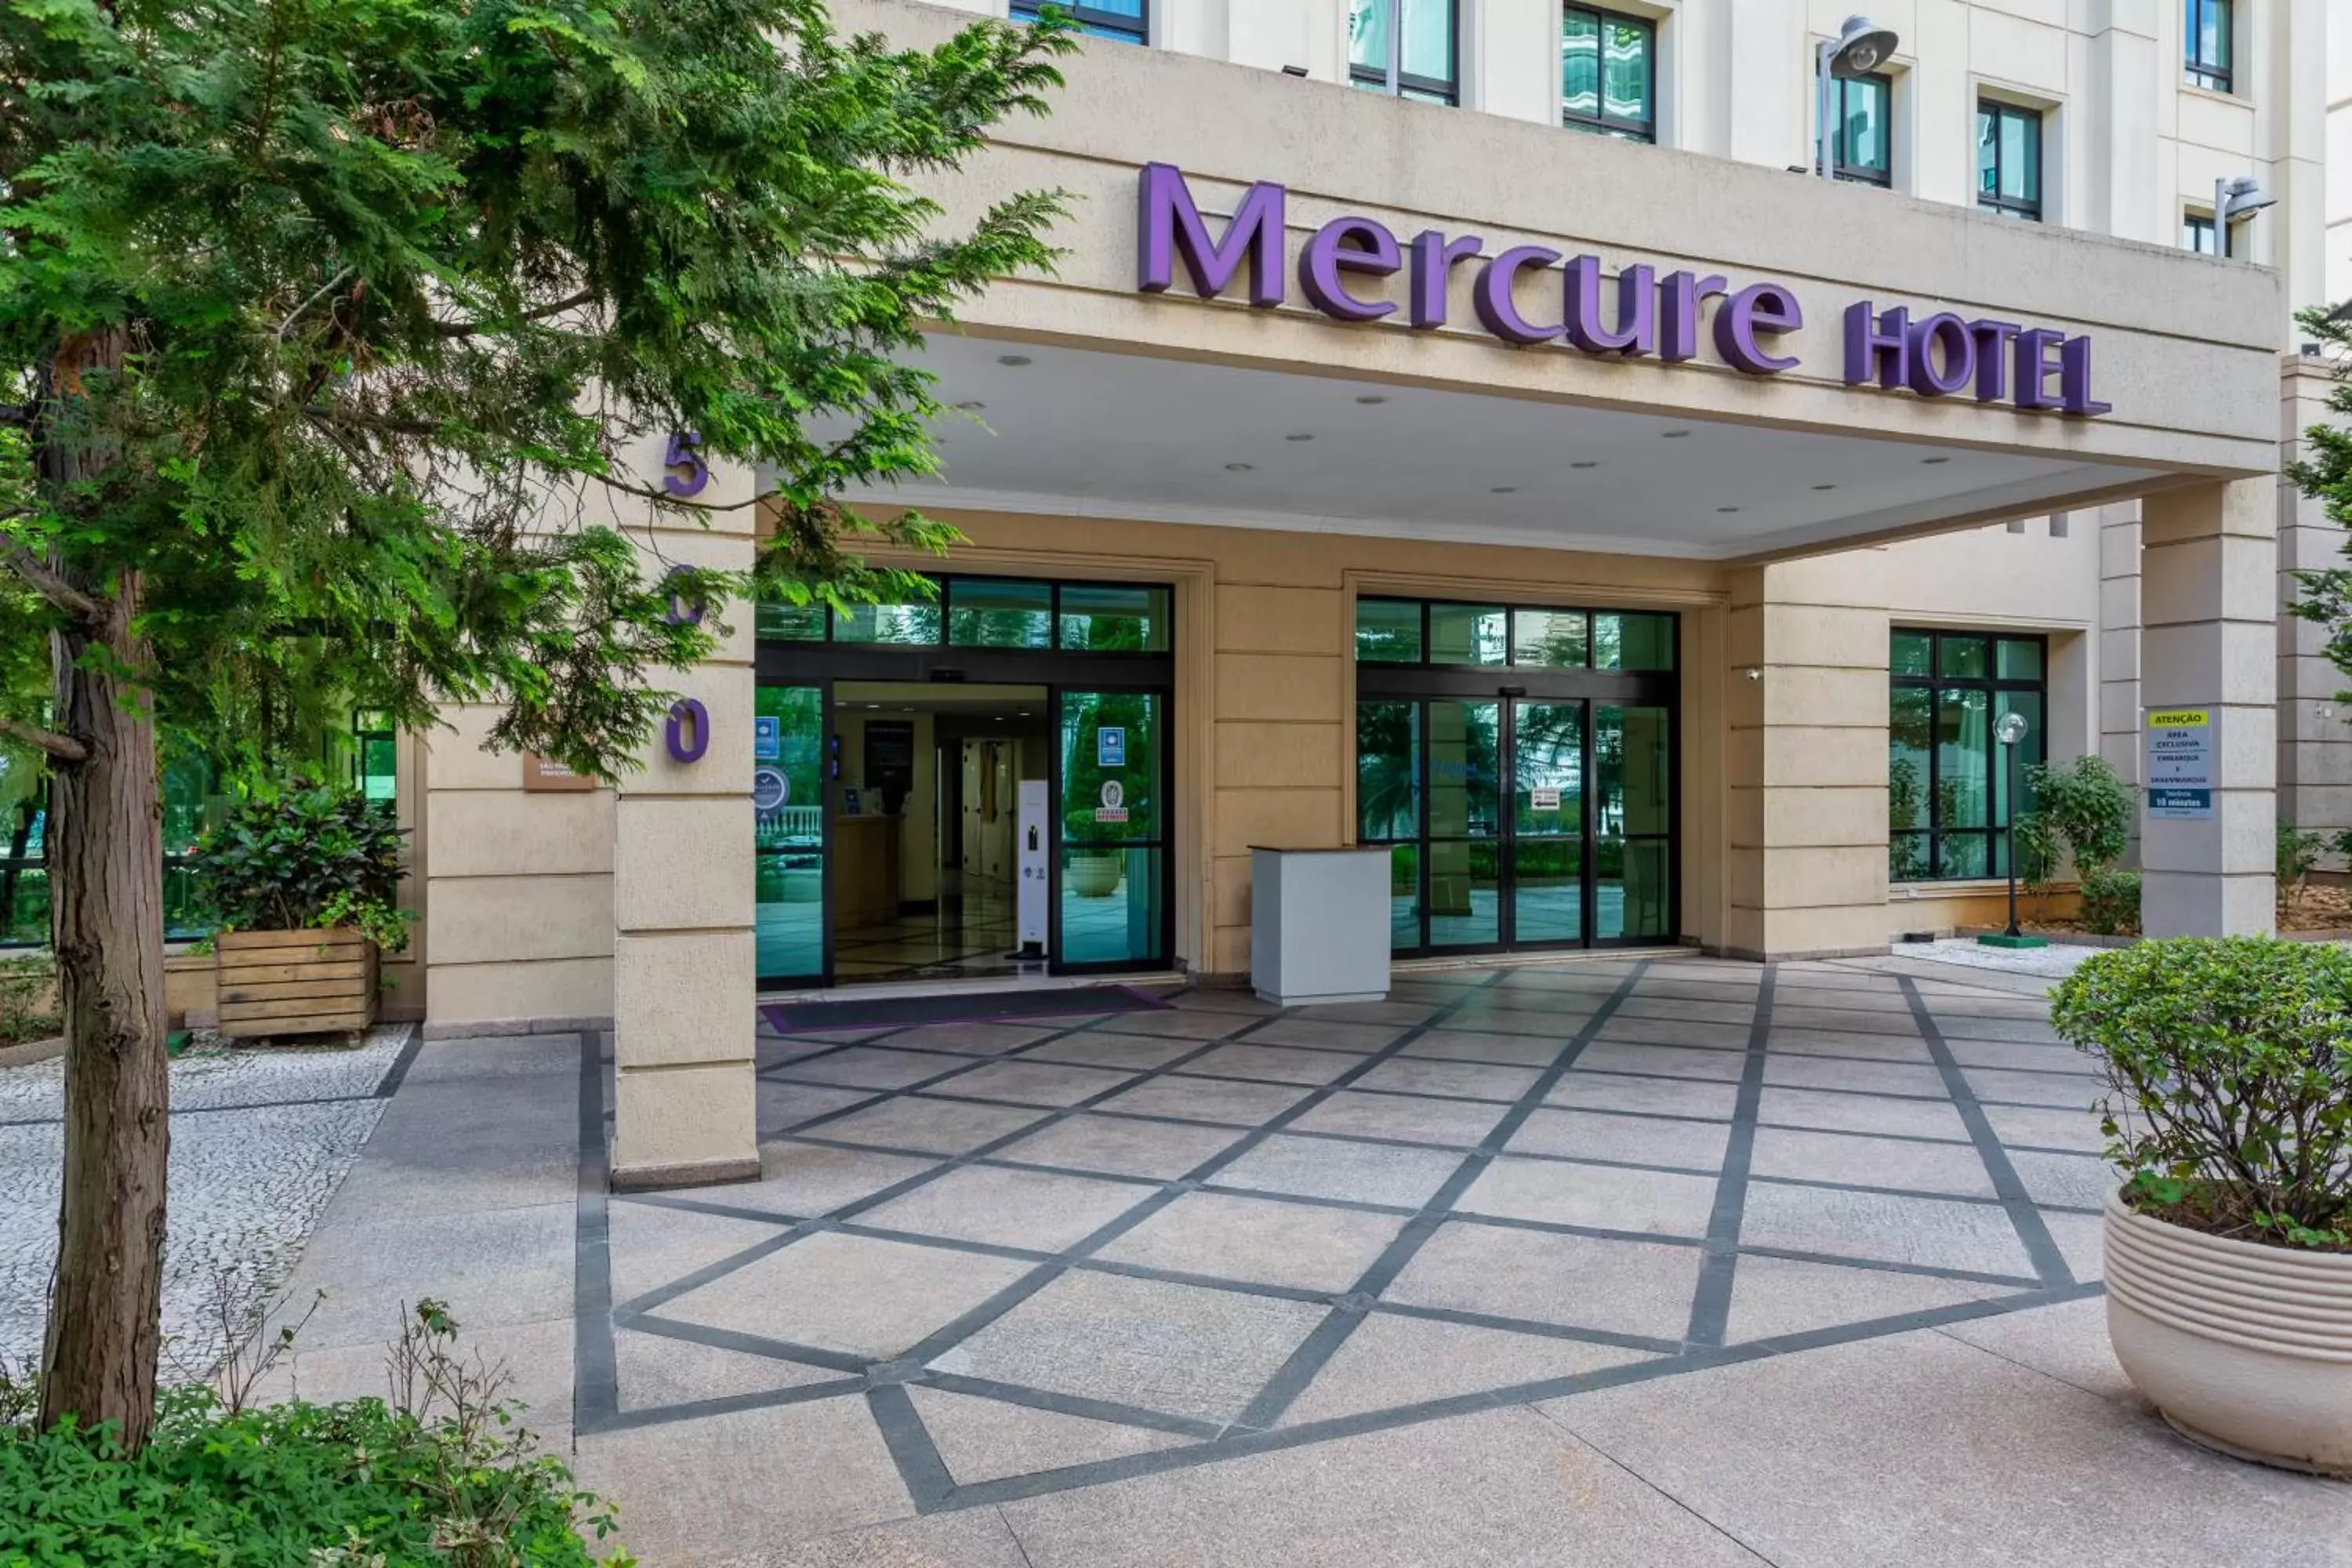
1163, 787
1508, 686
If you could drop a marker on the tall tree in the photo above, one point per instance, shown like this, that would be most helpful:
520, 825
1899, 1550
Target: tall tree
326, 322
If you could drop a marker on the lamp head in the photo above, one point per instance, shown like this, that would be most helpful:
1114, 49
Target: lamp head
2011, 730
1862, 47
2241, 196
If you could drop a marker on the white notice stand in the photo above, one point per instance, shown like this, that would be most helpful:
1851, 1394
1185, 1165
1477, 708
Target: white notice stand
1036, 839
1320, 925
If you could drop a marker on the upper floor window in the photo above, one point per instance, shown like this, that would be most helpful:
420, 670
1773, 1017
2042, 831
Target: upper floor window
1126, 19
2206, 44
1404, 47
2197, 233
1608, 74
2009, 160
1862, 139
1947, 779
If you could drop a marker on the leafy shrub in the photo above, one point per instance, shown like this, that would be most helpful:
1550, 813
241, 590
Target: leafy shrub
307, 857
2298, 855
2083, 811
439, 1477
2229, 1063
2111, 901
28, 1000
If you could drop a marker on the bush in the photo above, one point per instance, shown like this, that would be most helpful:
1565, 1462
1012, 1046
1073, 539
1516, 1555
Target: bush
2111, 901
440, 1478
307, 857
28, 1000
2228, 1062
2298, 855
2081, 812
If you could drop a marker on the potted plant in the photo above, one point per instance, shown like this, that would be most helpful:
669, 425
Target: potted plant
2229, 1245
303, 884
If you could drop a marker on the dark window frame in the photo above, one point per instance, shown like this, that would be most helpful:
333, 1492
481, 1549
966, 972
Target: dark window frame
2196, 224
1601, 121
1852, 172
1998, 808
1990, 112
1394, 82
1096, 22
941, 600
2214, 76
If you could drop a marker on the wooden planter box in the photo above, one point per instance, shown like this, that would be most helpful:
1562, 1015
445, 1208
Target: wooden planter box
295, 982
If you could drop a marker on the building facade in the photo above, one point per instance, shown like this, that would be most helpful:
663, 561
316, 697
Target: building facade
1473, 429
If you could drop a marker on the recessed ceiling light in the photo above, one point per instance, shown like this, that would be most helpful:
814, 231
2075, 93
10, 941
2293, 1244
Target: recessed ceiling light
1826, 487
1015, 361
1302, 436
1673, 435
1504, 491
1727, 509
1372, 399
1587, 463
1933, 461
1239, 467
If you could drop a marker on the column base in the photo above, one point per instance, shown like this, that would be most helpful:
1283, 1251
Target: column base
693, 1173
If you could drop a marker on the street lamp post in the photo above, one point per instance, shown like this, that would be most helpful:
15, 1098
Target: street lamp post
2009, 731
1861, 46
2238, 196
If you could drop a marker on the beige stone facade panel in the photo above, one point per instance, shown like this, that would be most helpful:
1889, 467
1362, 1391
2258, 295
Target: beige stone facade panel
1279, 685
1255, 618
1277, 818
683, 999
683, 865
1280, 756
686, 1124
505, 992
482, 833
455, 754
484, 919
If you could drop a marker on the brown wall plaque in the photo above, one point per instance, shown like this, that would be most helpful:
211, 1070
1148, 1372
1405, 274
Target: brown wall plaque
540, 774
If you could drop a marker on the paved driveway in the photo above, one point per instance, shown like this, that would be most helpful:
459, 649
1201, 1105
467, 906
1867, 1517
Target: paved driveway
1421, 1281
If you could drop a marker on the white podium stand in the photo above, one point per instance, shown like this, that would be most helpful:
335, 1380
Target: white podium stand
1320, 925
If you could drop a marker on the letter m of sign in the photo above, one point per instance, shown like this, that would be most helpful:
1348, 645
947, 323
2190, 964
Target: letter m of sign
1169, 224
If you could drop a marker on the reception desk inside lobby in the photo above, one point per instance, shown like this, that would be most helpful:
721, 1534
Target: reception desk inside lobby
868, 873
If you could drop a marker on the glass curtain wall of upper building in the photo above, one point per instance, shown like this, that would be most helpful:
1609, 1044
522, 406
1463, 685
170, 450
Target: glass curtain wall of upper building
1947, 785
1608, 73
1518, 765
2206, 46
2009, 160
1862, 137
1409, 48
1127, 19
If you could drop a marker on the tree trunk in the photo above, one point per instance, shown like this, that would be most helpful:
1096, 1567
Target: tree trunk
106, 882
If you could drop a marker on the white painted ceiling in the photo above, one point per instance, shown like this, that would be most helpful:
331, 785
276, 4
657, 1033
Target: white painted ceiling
1083, 433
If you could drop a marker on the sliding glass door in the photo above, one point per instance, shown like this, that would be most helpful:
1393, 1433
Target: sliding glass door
1109, 867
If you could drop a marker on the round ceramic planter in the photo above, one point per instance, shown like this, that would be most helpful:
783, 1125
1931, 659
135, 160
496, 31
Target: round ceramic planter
1093, 876
2242, 1347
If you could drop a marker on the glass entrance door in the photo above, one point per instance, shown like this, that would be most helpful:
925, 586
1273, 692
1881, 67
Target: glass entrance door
1547, 826
789, 826
1111, 887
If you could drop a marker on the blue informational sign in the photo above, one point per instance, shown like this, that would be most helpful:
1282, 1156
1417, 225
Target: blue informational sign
1110, 747
767, 738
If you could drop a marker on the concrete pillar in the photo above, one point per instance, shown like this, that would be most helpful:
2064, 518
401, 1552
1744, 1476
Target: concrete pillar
2208, 564
2118, 715
685, 966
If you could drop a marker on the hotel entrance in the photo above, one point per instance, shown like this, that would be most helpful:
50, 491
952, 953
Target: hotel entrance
975, 786
1519, 765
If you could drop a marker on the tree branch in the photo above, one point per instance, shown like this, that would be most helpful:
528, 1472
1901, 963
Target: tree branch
650, 493
64, 748
536, 313
51, 585
325, 416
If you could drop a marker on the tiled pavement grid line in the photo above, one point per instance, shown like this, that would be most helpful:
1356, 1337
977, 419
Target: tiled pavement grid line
1629, 1036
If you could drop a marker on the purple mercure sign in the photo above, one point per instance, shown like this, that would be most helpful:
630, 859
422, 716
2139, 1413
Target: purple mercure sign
1939, 355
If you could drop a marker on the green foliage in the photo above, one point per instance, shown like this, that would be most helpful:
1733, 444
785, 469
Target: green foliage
310, 857
28, 1000
1907, 792
2111, 901
2083, 812
2229, 1063
354, 313
2298, 856
440, 1475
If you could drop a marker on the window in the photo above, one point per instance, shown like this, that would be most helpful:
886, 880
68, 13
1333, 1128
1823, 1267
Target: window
1418, 631
1946, 789
1124, 19
2197, 233
2009, 160
192, 805
1862, 139
989, 613
1608, 74
2206, 44
1414, 59
375, 753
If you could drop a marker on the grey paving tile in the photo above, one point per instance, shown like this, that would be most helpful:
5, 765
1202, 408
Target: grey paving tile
535, 1356
1602, 1196
681, 1487
1136, 1053
2050, 1128
848, 1293
2081, 1239
1330, 1036
2020, 1053
1952, 1168
1847, 1043
1564, 980
1619, 1286
1471, 1080
2064, 1091
494, 1268
655, 1370
1176, 1349
1806, 991
1684, 1009
1192, 1023
2067, 1341
1532, 1050
1936, 1232
804, 1179
873, 1067
1392, 1359
494, 1057
971, 1538
1676, 1032
1087, 1143
1325, 1168
1033, 1209
1254, 1239
929, 1126
785, 1106
1637, 1139
1775, 1295
984, 1439
1206, 1099
976, 1039
1583, 1089
1861, 1113
1609, 1055
1035, 1083
1800, 1071
1396, 1010
1274, 1062
1858, 1020
1454, 1122
2080, 1181
653, 1245
1918, 1449
1973, 1026
1477, 1492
